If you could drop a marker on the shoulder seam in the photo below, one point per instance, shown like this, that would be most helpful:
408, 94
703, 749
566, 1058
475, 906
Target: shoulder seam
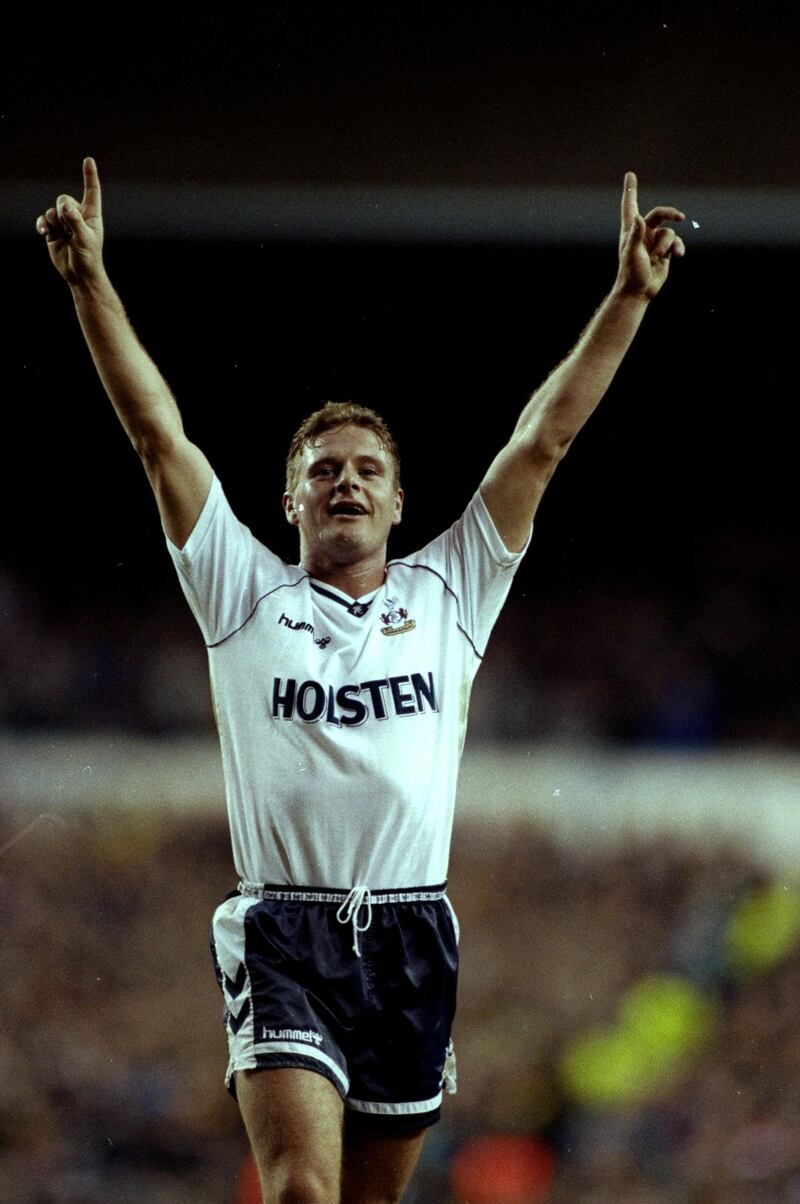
268, 594
402, 564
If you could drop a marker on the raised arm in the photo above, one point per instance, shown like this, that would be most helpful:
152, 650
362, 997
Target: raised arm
518, 476
177, 470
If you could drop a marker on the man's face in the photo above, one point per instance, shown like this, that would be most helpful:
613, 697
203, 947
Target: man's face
346, 499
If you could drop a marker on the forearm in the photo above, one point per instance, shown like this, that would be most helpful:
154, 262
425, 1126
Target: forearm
179, 473
570, 394
140, 395
519, 474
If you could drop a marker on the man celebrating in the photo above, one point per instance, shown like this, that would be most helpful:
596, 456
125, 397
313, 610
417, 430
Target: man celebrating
341, 688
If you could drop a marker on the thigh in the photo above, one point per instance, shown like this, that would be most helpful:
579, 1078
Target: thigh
377, 1169
293, 1119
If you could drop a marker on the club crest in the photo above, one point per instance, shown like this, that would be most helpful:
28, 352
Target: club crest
395, 618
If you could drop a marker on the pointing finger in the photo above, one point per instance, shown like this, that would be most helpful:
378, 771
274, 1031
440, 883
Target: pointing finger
92, 200
630, 200
633, 237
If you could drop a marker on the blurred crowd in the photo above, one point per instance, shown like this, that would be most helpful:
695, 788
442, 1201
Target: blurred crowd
112, 1050
712, 660
607, 1015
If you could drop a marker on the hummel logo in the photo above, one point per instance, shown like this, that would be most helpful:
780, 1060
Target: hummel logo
291, 1034
299, 625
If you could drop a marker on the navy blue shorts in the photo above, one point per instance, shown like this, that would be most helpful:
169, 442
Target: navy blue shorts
359, 988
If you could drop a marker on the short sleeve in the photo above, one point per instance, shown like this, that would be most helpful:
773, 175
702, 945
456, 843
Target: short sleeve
223, 569
475, 566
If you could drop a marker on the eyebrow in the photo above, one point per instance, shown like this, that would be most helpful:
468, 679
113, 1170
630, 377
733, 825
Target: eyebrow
366, 458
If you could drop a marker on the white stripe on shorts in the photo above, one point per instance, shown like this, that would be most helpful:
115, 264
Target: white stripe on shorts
410, 1109
308, 1051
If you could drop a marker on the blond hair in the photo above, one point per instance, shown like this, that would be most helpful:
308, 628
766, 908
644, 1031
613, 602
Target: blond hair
332, 415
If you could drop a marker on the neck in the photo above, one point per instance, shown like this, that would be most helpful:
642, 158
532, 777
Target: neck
355, 580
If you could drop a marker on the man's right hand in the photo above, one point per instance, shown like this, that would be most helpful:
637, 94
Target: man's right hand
74, 232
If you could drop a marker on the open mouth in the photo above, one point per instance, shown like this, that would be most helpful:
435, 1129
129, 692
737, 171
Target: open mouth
346, 509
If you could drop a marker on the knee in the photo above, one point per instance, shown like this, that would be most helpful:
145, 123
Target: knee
305, 1188
380, 1196
299, 1185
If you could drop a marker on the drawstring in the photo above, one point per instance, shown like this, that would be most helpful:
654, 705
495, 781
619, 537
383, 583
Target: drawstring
357, 898
350, 902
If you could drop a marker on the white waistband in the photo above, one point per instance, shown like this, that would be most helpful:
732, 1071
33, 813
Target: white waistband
300, 894
350, 901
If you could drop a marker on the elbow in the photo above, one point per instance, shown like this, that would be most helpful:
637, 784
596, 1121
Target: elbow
543, 439
154, 446
554, 450
546, 450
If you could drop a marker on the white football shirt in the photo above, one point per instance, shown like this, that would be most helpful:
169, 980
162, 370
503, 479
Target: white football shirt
341, 723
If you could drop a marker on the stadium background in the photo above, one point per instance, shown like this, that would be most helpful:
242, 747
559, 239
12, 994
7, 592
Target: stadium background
624, 863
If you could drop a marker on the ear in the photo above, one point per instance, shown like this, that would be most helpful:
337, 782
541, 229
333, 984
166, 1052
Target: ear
398, 507
290, 511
